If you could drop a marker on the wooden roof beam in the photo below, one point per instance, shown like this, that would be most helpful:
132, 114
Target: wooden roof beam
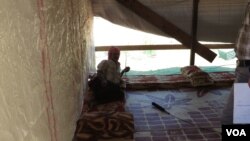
161, 47
167, 27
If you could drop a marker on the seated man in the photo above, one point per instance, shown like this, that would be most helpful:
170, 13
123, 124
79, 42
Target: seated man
111, 86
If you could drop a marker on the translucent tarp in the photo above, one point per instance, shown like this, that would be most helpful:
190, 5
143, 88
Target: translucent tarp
218, 20
45, 49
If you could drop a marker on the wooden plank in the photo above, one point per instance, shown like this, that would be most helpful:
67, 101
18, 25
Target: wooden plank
167, 27
162, 47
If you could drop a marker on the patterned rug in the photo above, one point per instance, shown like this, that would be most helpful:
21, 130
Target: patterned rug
142, 82
193, 116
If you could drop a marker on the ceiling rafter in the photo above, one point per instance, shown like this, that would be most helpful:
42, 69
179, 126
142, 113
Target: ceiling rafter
161, 47
167, 27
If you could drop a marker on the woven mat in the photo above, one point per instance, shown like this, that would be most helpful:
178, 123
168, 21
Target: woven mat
192, 117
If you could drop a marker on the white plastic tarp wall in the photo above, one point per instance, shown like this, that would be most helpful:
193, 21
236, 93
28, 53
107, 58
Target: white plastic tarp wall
45, 50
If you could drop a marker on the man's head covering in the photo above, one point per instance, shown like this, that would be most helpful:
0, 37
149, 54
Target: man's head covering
112, 51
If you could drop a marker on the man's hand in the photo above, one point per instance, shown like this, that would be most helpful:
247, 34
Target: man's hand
125, 70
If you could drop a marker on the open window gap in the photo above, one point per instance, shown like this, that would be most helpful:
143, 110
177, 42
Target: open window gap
154, 61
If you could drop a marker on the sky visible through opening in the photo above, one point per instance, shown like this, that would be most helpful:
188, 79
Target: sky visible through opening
107, 33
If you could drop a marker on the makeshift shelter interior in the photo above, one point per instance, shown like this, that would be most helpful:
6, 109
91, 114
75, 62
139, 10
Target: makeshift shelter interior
156, 59
47, 53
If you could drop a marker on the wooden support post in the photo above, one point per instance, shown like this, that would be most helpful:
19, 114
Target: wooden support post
194, 31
